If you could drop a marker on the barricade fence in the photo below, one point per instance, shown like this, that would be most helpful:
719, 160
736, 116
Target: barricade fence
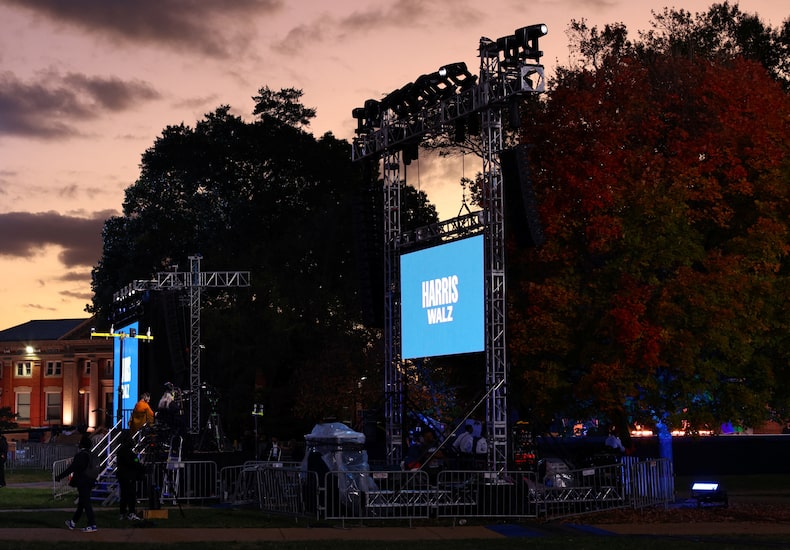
380, 495
32, 455
273, 487
287, 489
650, 482
164, 482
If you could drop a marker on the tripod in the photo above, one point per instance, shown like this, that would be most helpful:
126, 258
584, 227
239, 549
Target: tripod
213, 437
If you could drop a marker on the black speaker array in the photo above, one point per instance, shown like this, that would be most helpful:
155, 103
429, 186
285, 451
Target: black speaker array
521, 211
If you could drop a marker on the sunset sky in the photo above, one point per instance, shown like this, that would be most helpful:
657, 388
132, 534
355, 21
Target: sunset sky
86, 86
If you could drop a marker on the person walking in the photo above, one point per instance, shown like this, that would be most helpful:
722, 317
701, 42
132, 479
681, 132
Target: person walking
128, 471
82, 478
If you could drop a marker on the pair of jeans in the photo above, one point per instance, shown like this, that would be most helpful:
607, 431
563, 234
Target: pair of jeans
84, 504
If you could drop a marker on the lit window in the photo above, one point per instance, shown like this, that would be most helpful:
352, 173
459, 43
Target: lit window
24, 368
23, 406
53, 406
53, 368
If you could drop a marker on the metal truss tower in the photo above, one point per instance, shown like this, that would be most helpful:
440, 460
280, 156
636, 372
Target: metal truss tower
495, 306
193, 281
393, 370
431, 105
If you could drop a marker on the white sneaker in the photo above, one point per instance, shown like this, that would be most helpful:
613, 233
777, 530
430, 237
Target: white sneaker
89, 529
134, 517
70, 524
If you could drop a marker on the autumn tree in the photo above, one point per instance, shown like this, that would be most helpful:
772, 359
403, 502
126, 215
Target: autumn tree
661, 170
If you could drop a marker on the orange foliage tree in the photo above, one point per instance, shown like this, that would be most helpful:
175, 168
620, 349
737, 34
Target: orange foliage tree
662, 174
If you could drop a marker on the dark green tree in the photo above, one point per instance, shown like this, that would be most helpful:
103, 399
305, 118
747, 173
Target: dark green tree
266, 197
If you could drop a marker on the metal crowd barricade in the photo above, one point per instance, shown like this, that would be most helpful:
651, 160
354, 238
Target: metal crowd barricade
229, 477
582, 491
195, 481
61, 488
379, 494
273, 487
650, 483
287, 489
485, 494
37, 455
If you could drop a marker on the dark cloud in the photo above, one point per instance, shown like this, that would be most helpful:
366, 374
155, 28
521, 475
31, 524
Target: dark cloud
50, 106
71, 295
109, 94
401, 12
216, 29
81, 238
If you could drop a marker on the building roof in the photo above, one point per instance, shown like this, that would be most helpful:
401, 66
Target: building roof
48, 329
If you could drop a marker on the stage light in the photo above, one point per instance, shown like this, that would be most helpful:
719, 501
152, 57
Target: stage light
527, 38
396, 101
426, 89
508, 45
708, 492
359, 114
459, 75
373, 112
530, 32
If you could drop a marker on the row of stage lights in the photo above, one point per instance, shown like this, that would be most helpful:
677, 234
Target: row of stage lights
448, 82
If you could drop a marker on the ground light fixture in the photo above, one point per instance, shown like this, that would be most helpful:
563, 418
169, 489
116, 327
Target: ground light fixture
709, 492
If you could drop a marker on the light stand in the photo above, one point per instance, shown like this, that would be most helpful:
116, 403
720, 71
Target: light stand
257, 411
213, 437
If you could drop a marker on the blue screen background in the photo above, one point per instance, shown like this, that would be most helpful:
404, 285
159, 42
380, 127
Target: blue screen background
465, 333
126, 370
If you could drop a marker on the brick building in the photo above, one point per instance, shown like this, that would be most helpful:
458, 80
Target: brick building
52, 373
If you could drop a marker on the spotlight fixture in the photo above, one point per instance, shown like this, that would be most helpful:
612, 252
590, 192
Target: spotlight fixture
373, 112
359, 114
527, 38
459, 75
508, 45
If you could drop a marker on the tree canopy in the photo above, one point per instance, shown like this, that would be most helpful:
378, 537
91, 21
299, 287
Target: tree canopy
661, 167
266, 197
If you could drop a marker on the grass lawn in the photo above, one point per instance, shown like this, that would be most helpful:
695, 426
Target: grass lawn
34, 500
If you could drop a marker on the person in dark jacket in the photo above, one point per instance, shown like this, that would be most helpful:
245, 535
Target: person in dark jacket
128, 471
81, 478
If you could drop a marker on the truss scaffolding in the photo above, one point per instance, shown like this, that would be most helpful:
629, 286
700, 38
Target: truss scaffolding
390, 131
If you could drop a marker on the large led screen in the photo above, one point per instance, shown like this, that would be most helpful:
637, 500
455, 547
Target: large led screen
442, 300
126, 372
